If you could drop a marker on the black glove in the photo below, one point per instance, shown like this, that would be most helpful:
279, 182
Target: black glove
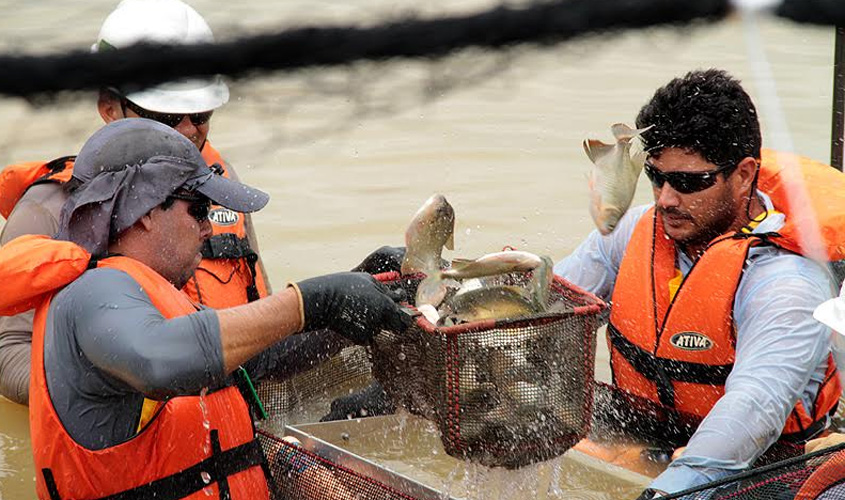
650, 493
352, 304
383, 260
370, 402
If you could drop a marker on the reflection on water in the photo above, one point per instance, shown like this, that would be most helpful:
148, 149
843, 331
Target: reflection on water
411, 446
349, 154
16, 475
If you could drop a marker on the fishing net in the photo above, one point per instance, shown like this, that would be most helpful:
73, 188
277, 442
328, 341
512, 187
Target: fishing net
502, 392
620, 415
299, 474
307, 397
815, 476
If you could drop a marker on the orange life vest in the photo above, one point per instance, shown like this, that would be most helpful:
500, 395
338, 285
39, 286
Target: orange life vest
195, 447
16, 179
829, 474
229, 274
678, 352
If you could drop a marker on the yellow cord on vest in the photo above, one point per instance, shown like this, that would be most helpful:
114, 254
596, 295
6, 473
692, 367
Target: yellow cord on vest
752, 225
675, 281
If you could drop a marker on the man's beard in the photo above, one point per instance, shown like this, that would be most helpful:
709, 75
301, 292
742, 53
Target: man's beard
719, 225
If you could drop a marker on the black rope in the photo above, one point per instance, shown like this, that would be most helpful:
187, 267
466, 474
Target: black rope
823, 12
542, 23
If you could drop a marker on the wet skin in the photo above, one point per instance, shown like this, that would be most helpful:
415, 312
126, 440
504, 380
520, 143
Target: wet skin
180, 237
692, 220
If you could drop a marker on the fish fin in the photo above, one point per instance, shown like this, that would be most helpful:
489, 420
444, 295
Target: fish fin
595, 149
459, 263
625, 133
412, 264
622, 132
430, 313
431, 290
638, 160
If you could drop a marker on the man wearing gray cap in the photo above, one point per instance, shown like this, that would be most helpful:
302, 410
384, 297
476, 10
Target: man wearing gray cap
132, 393
31, 194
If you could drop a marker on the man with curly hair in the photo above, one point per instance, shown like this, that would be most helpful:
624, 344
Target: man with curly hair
712, 317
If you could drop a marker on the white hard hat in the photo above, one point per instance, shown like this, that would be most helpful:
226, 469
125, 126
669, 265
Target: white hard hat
170, 22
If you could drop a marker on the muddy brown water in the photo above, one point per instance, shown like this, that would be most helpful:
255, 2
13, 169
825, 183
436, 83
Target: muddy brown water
349, 154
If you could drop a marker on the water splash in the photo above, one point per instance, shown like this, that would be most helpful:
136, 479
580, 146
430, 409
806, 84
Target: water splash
206, 423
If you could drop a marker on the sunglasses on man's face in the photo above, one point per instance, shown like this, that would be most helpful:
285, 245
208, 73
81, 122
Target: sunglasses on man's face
685, 182
198, 206
169, 119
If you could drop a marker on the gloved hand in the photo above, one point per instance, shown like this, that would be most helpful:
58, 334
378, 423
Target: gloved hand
650, 493
825, 442
352, 304
383, 260
370, 402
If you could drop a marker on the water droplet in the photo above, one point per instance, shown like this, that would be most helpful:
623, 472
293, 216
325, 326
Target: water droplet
401, 356
206, 446
206, 477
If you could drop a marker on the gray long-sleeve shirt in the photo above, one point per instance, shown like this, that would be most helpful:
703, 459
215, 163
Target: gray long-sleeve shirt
106, 348
35, 213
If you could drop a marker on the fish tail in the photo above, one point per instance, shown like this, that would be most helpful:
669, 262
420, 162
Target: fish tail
459, 263
541, 281
623, 132
595, 149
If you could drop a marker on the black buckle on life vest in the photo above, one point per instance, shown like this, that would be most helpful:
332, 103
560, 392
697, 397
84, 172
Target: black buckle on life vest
663, 372
214, 469
226, 246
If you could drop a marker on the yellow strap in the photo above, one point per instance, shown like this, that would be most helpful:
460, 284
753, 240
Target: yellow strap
675, 281
148, 410
756, 221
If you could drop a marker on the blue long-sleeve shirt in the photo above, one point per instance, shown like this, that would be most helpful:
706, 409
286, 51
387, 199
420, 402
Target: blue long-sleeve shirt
781, 351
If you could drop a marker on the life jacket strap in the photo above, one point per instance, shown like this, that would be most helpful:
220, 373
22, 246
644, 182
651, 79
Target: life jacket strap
663, 372
230, 246
54, 167
216, 468
226, 246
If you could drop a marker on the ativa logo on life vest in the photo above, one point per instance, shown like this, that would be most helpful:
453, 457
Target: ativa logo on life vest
691, 341
223, 217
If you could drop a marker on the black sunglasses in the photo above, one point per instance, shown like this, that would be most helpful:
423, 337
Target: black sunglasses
169, 119
199, 206
685, 182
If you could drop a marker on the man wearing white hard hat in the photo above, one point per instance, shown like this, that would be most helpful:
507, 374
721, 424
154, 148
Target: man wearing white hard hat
31, 194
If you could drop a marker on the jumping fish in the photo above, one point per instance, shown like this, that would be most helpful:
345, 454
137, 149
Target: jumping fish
613, 178
433, 289
492, 264
509, 262
478, 299
432, 228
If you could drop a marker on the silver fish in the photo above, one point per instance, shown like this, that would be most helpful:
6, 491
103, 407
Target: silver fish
432, 228
434, 288
613, 178
509, 262
492, 264
496, 302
